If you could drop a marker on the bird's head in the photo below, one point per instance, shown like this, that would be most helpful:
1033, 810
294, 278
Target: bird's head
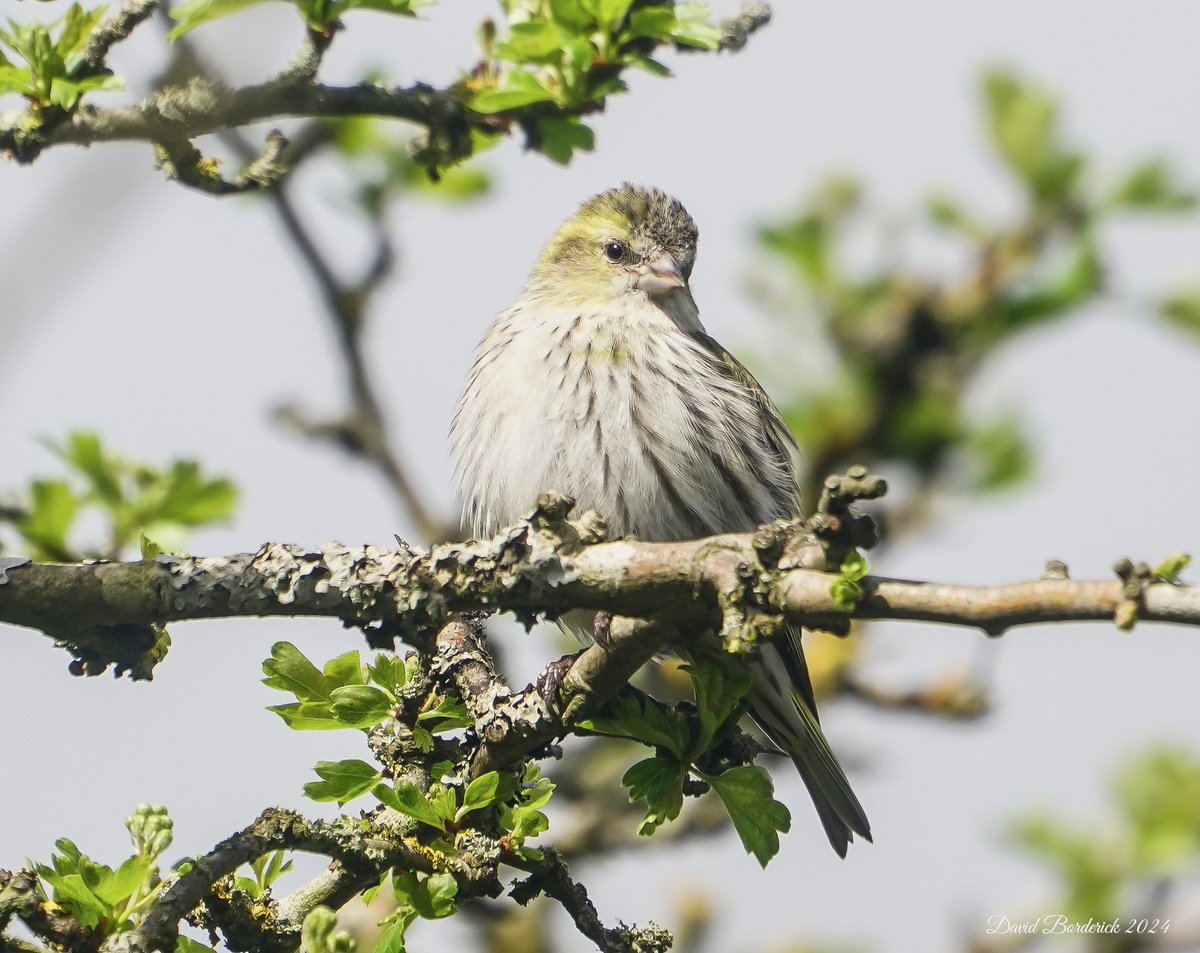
626, 241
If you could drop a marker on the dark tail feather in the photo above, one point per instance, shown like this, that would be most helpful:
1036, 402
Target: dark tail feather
782, 711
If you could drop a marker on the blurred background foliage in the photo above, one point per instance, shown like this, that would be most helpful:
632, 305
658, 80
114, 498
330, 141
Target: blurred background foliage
899, 348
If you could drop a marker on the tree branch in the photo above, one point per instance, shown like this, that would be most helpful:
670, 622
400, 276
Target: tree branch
748, 586
551, 877
199, 108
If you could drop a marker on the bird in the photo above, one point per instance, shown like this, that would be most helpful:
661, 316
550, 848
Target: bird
600, 382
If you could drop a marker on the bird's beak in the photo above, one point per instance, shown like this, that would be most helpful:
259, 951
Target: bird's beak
660, 277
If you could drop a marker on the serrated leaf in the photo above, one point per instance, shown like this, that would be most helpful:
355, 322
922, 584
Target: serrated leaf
659, 783
388, 672
288, 670
559, 138
629, 716
404, 797
344, 670
758, 818
718, 694
361, 706
342, 781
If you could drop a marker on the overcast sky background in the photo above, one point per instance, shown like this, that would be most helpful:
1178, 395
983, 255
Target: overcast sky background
172, 322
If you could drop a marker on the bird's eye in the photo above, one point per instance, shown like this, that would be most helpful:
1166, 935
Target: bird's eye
614, 251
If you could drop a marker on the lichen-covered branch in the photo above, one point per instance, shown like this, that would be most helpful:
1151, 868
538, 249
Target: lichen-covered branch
746, 585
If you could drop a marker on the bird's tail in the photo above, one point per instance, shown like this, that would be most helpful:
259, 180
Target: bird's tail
785, 711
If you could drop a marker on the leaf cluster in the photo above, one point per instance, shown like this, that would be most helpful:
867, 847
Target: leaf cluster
320, 16
1107, 873
105, 900
683, 740
41, 61
135, 500
562, 58
907, 344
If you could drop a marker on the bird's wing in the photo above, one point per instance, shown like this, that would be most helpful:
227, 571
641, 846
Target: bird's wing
777, 437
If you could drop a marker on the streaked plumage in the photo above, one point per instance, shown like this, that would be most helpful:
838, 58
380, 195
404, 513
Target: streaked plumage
600, 382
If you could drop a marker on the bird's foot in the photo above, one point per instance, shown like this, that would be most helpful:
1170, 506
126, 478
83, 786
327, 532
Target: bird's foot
550, 682
602, 628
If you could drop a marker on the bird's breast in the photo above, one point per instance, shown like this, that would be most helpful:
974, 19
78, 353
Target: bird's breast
625, 413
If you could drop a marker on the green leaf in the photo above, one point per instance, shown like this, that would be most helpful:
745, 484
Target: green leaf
692, 27
288, 670
183, 495
187, 945
718, 695
758, 818
196, 13
536, 41
659, 783
631, 715
449, 714
317, 929
525, 820
1170, 568
847, 589
388, 672
655, 23
344, 670
72, 892
1159, 793
440, 891
308, 716
404, 797
480, 793
559, 138
392, 939
403, 8
117, 886
571, 14
520, 88
1150, 187
1002, 455
148, 547
51, 513
361, 706
1183, 309
610, 13
84, 452
1023, 122
342, 781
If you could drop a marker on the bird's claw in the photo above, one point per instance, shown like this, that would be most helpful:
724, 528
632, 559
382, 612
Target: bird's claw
550, 682
602, 628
